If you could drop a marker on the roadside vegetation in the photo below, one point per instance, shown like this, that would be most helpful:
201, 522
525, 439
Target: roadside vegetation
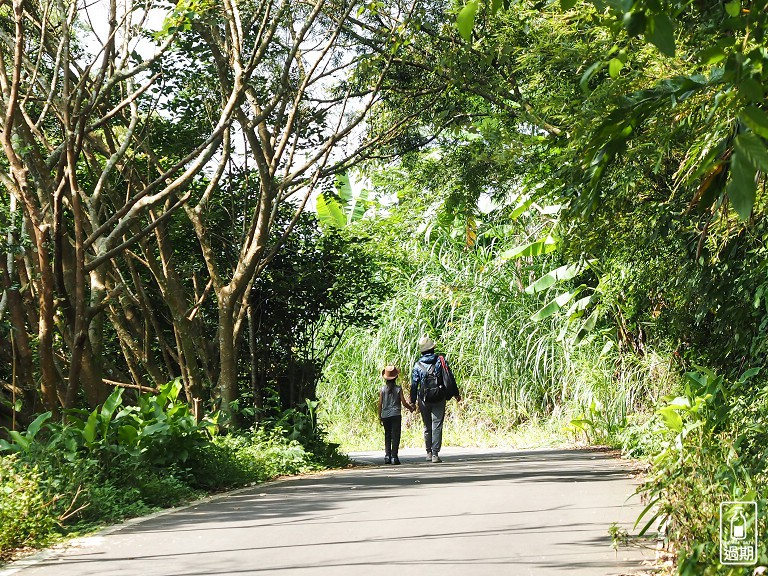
129, 459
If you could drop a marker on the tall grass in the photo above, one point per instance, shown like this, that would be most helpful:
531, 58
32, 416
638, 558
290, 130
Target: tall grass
513, 371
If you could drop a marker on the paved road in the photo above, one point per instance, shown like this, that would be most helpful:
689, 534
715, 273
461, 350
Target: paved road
480, 512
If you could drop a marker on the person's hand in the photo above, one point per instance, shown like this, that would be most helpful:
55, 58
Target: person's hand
458, 398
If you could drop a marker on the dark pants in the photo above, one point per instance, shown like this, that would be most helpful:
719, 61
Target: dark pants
391, 435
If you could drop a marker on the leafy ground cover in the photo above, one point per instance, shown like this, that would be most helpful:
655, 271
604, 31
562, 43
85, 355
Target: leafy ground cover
119, 461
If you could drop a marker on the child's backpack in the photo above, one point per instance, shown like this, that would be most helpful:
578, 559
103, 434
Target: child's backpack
432, 388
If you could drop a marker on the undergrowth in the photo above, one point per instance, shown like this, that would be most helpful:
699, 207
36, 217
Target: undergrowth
122, 461
712, 450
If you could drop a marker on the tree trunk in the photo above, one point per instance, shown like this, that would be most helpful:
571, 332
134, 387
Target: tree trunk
256, 383
24, 359
227, 384
92, 368
49, 382
184, 328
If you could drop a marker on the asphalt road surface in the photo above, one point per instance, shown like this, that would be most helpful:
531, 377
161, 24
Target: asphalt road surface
479, 512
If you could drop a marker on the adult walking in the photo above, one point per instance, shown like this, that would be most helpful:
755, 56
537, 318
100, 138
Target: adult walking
432, 384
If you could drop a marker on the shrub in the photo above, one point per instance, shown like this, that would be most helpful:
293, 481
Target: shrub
116, 462
641, 437
238, 459
25, 514
714, 437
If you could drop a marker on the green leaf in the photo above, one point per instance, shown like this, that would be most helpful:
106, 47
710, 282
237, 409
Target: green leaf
344, 188
662, 34
651, 521
174, 389
465, 21
111, 404
329, 212
680, 403
36, 424
566, 5
645, 511
742, 187
733, 8
543, 246
520, 208
579, 306
550, 278
89, 431
587, 76
587, 327
711, 55
756, 120
614, 67
496, 5
752, 149
19, 439
153, 428
634, 23
751, 89
671, 418
582, 423
555, 305
358, 206
127, 435
749, 374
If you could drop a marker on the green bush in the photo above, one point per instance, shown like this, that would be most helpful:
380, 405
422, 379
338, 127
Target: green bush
121, 461
713, 450
25, 513
238, 459
641, 437
162, 490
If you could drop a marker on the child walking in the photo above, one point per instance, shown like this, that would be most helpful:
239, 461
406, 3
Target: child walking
391, 397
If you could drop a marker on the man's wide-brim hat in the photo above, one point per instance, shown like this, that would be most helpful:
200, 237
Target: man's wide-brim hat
390, 372
426, 343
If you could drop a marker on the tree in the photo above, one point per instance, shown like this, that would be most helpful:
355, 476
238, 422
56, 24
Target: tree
77, 103
301, 120
110, 134
292, 341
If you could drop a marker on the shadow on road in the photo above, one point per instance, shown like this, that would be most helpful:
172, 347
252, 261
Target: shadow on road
330, 504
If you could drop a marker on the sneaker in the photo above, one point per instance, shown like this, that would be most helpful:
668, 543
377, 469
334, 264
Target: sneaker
386, 460
429, 456
395, 460
436, 459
